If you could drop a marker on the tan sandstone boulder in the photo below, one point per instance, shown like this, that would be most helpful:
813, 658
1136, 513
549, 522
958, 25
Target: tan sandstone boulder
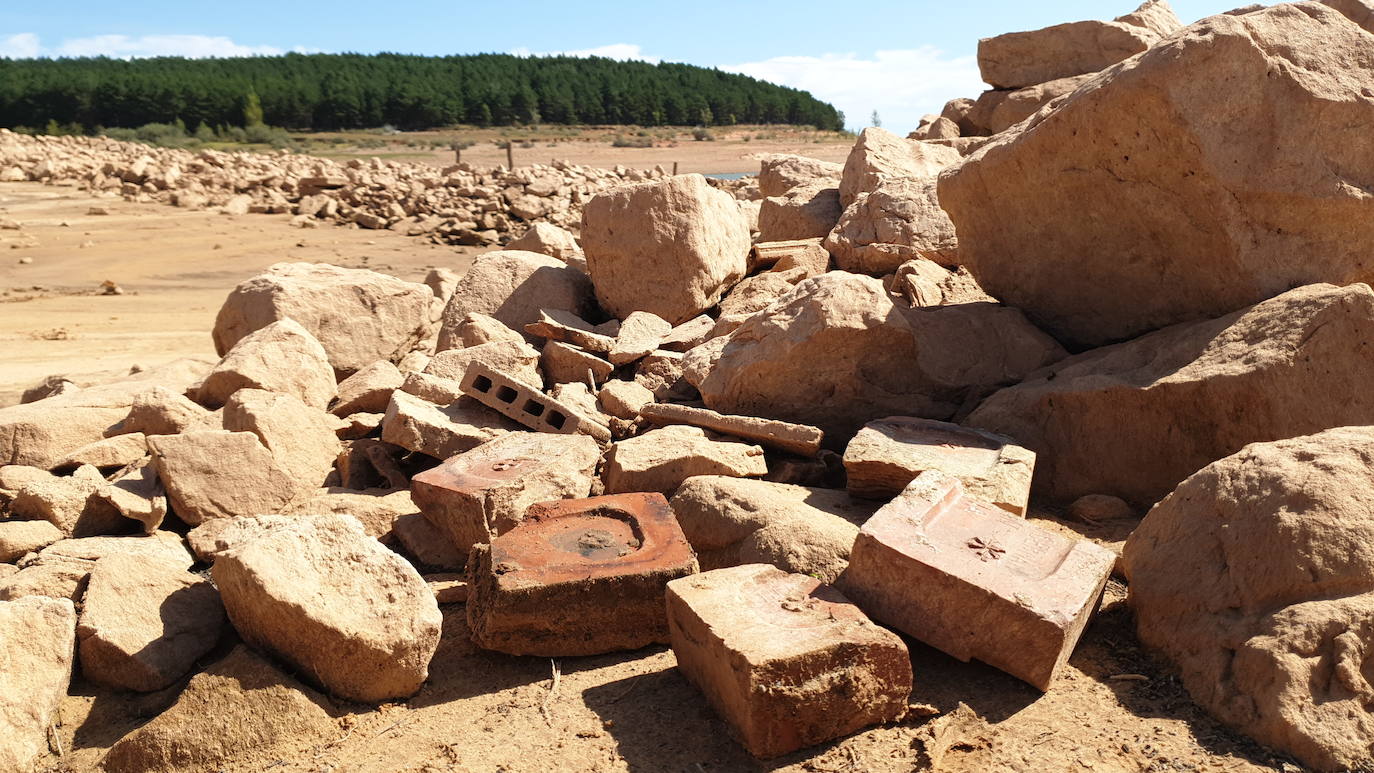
358, 316
998, 110
37, 644
805, 212
1256, 578
220, 474
734, 521
346, 612
898, 221
661, 459
781, 172
368, 390
144, 624
1019, 59
280, 357
672, 247
837, 352
300, 438
1135, 205
512, 286
1289, 366
880, 155
548, 239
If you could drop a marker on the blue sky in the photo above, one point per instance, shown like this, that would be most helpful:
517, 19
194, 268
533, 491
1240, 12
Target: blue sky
903, 59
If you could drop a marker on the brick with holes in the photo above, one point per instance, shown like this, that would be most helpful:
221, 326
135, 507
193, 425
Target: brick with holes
484, 492
578, 577
526, 404
787, 661
975, 581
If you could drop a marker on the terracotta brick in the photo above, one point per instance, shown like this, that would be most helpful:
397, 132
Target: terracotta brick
889, 453
974, 580
474, 496
799, 439
788, 661
526, 404
578, 577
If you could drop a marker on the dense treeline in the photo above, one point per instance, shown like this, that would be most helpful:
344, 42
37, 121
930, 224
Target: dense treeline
342, 91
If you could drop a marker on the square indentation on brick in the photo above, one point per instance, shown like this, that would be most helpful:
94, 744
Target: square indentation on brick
889, 453
788, 661
974, 580
476, 495
578, 577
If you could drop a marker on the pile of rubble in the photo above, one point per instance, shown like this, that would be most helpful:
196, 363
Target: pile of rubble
460, 204
776, 452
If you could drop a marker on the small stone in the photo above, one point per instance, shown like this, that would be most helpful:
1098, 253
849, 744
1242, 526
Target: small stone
660, 460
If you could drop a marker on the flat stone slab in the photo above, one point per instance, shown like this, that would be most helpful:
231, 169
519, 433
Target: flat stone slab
889, 453
976, 581
799, 439
477, 495
578, 577
526, 404
788, 661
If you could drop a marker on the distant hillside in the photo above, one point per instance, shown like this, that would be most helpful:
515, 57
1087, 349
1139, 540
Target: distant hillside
344, 91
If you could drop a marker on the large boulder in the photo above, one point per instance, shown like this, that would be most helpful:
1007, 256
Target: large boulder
240, 710
1019, 59
348, 614
220, 474
1289, 366
1222, 167
880, 155
898, 221
281, 357
37, 644
44, 432
836, 353
358, 316
805, 212
781, 172
548, 239
300, 438
513, 286
1256, 578
998, 110
672, 247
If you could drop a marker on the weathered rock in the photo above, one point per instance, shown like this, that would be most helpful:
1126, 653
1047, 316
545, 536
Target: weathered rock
660, 460
477, 329
19, 538
358, 316
1256, 578
941, 128
217, 535
672, 247
281, 357
37, 638
1203, 390
54, 579
368, 390
807, 255
898, 221
755, 294
163, 547
431, 389
427, 546
880, 155
836, 353
138, 494
513, 286
548, 239
565, 364
998, 110
477, 495
1127, 208
107, 453
640, 334
888, 454
514, 357
733, 521
73, 504
442, 282
161, 411
240, 706
1019, 59
1100, 507
797, 439
144, 624
301, 439
423, 427
780, 173
377, 509
323, 596
623, 399
42, 433
218, 474
807, 212
690, 333
924, 283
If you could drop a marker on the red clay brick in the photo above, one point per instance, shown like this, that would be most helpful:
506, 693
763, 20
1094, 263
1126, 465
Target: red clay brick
578, 577
974, 580
788, 661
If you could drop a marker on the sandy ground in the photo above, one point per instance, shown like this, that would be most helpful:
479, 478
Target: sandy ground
175, 268
1113, 709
